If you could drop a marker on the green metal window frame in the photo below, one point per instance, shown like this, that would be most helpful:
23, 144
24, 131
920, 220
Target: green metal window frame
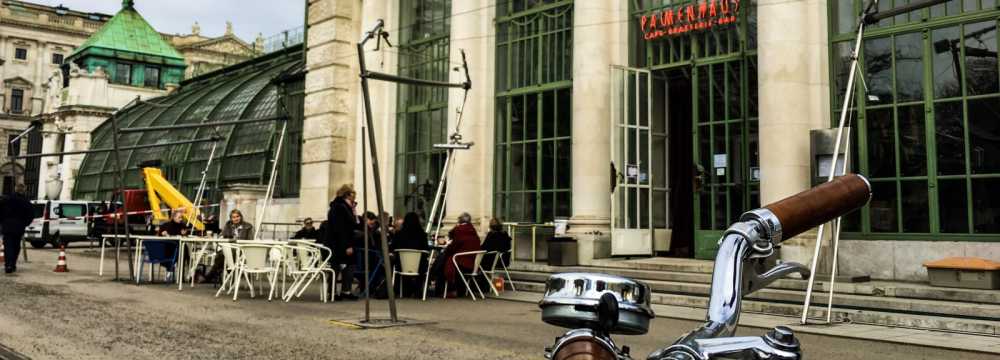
726, 125
923, 24
421, 111
534, 77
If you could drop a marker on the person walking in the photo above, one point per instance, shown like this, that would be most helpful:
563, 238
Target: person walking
15, 215
342, 227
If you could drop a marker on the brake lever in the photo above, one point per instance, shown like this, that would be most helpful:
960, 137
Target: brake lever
756, 281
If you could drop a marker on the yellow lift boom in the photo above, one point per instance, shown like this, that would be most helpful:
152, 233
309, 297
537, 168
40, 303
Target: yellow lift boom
159, 189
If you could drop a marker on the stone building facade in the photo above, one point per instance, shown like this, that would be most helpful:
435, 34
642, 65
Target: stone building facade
204, 54
703, 109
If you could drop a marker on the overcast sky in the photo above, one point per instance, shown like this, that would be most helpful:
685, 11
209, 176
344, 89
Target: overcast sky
249, 17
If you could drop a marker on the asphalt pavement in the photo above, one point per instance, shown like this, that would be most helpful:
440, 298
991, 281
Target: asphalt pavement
78, 315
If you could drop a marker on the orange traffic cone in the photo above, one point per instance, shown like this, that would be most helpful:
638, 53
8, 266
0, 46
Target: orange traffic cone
61, 265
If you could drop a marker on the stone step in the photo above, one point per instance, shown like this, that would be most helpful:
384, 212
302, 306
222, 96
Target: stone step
873, 288
850, 301
840, 315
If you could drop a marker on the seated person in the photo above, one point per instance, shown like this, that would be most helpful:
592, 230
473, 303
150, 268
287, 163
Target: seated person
463, 239
496, 240
235, 229
410, 235
175, 227
307, 231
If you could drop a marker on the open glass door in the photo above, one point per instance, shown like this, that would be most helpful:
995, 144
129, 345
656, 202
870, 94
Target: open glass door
631, 200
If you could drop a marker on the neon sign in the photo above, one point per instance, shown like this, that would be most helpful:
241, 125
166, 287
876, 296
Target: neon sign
688, 18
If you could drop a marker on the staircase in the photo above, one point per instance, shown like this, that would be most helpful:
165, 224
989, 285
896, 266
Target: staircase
687, 282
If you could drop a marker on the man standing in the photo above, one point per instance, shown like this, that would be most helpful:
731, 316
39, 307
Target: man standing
15, 215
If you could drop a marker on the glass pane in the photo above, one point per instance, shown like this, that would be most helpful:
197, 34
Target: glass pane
878, 66
721, 207
564, 111
548, 207
703, 95
985, 205
953, 211
718, 92
530, 206
735, 97
981, 58
517, 118
531, 166
841, 64
912, 141
984, 135
735, 155
910, 67
548, 114
881, 144
950, 137
531, 116
883, 207
946, 70
563, 164
563, 204
846, 16
915, 213
548, 164
705, 210
517, 167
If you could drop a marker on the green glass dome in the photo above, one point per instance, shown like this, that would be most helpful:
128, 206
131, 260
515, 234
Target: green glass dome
268, 86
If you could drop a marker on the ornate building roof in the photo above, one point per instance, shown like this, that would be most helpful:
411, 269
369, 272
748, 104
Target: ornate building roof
265, 87
128, 34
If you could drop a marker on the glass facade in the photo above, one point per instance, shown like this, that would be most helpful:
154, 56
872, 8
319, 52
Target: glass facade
927, 129
269, 86
422, 111
534, 67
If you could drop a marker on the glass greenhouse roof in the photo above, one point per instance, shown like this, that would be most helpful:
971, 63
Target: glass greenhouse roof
265, 87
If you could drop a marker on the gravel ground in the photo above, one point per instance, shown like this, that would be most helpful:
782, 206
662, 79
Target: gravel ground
79, 315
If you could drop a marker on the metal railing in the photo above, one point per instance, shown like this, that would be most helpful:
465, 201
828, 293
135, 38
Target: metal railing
530, 242
284, 39
278, 230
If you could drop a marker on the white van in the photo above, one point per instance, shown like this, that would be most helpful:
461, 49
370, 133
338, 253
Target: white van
59, 221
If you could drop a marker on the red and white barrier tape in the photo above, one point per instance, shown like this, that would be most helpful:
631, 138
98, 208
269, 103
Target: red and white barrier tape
116, 215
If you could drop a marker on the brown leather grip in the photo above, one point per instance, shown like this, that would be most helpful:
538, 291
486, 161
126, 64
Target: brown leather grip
810, 208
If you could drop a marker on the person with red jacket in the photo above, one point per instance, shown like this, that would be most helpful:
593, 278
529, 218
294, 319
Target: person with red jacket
463, 238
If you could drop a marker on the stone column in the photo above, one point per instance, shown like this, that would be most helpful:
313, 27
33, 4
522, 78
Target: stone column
330, 103
472, 171
593, 30
794, 98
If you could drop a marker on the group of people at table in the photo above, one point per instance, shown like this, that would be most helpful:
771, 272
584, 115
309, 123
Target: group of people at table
344, 233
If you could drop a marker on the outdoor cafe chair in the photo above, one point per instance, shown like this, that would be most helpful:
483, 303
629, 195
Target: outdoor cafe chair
310, 264
155, 254
499, 259
229, 270
409, 264
252, 258
476, 272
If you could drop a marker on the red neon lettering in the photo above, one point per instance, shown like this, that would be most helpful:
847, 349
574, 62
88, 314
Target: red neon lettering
642, 23
690, 12
725, 6
702, 8
668, 18
711, 11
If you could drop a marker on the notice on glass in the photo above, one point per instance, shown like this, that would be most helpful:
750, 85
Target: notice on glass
719, 161
632, 171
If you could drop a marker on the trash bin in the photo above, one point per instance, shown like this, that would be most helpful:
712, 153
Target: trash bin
562, 251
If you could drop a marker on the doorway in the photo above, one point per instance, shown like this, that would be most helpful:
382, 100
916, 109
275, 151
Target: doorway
679, 155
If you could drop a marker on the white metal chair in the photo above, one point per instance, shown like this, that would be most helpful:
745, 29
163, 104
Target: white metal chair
498, 260
409, 265
310, 264
229, 270
253, 259
476, 268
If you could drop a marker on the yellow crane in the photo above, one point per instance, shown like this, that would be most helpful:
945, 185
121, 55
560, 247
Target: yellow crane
160, 190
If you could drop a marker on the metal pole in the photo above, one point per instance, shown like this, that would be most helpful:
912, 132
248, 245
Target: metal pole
274, 175
444, 203
201, 185
437, 194
376, 177
836, 235
836, 151
120, 179
364, 221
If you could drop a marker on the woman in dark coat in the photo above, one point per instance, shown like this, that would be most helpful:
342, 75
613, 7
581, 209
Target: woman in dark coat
463, 239
340, 236
496, 240
411, 236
